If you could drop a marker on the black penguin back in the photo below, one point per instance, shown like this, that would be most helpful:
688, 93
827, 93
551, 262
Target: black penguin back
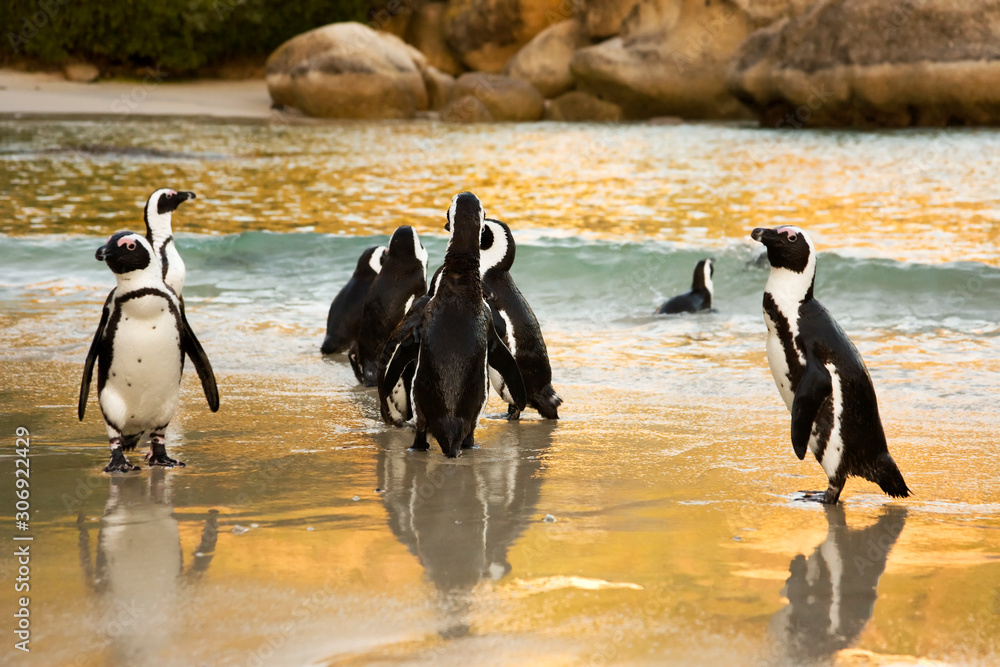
402, 280
344, 318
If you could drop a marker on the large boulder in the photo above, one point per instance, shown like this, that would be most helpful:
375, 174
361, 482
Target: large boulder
504, 97
348, 70
426, 33
466, 109
487, 33
544, 61
671, 56
439, 87
875, 62
576, 107
603, 18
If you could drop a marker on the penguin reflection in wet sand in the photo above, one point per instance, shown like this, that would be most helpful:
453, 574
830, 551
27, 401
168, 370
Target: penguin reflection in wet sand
454, 343
343, 322
139, 348
700, 296
820, 374
159, 206
402, 279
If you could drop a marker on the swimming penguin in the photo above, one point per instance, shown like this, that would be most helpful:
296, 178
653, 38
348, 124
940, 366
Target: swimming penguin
140, 347
344, 319
402, 280
819, 373
524, 335
159, 206
454, 343
700, 296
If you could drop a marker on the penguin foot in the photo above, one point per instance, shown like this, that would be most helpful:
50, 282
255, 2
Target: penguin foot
165, 461
119, 463
827, 497
157, 456
513, 414
420, 442
470, 442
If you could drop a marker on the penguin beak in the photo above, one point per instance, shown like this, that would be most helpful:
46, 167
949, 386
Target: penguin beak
102, 253
184, 196
764, 235
447, 226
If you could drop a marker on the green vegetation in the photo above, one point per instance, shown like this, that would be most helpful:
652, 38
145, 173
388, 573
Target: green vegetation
180, 36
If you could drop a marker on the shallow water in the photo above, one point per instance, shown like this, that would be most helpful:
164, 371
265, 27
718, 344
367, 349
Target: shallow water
655, 522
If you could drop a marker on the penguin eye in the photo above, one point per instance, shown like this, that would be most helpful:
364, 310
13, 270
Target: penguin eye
130, 245
792, 236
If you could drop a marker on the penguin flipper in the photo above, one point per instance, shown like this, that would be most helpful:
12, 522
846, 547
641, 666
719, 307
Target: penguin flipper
815, 388
88, 366
502, 361
406, 351
193, 349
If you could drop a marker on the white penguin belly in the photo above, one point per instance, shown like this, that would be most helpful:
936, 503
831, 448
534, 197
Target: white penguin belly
834, 450
778, 363
143, 382
397, 402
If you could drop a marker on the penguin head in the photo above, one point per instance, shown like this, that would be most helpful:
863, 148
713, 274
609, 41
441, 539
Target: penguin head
703, 273
370, 262
465, 220
788, 247
165, 201
496, 246
126, 252
405, 245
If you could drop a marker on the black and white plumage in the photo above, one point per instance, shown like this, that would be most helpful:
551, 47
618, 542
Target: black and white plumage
820, 374
402, 280
523, 333
454, 343
159, 207
343, 322
139, 348
700, 296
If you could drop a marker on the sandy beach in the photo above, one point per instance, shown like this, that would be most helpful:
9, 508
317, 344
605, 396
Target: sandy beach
153, 95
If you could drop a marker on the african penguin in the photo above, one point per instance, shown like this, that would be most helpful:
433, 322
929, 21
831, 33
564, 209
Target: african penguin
700, 296
819, 373
401, 281
344, 319
159, 206
524, 335
395, 405
139, 348
454, 343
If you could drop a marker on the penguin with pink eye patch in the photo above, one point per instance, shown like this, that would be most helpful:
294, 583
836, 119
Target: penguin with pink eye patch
820, 374
139, 348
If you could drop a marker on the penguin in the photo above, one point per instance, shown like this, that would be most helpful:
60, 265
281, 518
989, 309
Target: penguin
523, 333
819, 373
700, 296
402, 280
454, 344
139, 348
344, 319
159, 206
395, 405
